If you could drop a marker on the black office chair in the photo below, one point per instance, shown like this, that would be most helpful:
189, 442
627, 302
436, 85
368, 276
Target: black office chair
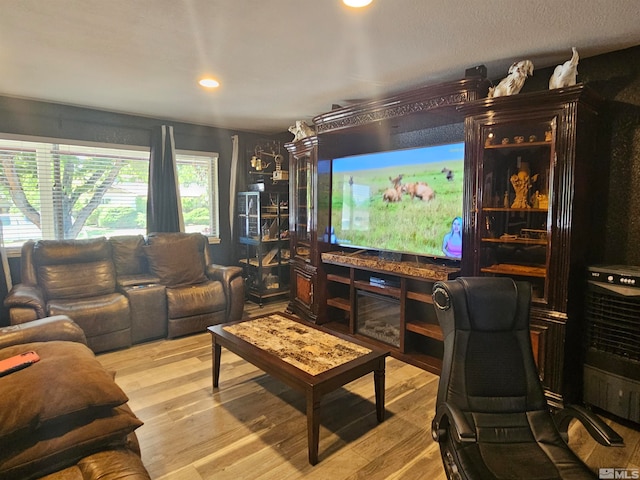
492, 420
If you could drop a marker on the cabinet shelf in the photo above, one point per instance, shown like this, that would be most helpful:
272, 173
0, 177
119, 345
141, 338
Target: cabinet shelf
502, 146
427, 362
519, 270
257, 241
254, 263
425, 329
339, 302
386, 291
521, 241
420, 297
338, 278
506, 209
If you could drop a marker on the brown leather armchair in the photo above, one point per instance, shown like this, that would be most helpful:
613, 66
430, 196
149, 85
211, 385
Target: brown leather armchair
198, 292
76, 278
63, 417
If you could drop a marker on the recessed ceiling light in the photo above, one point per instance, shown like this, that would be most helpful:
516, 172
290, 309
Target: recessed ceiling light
209, 83
356, 3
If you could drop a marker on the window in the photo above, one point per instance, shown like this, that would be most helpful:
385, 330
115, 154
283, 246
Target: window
198, 180
64, 191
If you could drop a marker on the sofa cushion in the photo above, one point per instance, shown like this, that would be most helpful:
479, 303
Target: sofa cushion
74, 268
67, 386
55, 252
128, 254
78, 280
99, 315
48, 450
176, 259
206, 297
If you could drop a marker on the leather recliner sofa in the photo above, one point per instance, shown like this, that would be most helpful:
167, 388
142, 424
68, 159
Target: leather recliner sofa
63, 417
127, 289
194, 292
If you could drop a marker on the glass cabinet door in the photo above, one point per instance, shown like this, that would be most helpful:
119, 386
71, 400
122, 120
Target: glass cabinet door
514, 209
303, 207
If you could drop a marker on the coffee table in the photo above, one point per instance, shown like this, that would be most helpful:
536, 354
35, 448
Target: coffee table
306, 357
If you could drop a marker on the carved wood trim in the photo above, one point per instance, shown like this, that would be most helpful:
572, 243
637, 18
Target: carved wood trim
446, 96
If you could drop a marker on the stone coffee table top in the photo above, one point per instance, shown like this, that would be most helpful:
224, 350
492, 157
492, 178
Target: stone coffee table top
306, 348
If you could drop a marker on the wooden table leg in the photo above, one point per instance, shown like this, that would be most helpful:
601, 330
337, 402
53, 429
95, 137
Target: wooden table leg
215, 364
313, 426
378, 380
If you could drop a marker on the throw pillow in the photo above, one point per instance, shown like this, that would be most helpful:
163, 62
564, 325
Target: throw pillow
68, 386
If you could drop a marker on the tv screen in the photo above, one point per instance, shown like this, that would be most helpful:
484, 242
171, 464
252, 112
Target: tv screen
406, 201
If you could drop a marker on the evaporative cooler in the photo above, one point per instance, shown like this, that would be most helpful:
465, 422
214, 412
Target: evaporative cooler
612, 358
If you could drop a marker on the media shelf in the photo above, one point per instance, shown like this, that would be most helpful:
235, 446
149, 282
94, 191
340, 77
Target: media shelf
386, 303
263, 226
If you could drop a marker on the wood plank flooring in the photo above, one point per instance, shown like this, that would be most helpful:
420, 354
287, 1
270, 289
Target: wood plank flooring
254, 427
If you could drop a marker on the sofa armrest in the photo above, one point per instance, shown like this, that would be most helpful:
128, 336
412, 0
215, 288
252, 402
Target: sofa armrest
58, 327
222, 273
233, 286
26, 296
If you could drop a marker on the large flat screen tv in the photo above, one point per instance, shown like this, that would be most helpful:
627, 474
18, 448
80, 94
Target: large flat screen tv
405, 201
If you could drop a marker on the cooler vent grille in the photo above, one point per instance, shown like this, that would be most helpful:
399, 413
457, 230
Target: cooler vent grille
614, 324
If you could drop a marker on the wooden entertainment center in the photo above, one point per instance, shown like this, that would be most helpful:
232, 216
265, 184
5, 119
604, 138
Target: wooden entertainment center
400, 291
545, 234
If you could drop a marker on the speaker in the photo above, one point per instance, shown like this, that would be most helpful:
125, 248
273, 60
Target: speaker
473, 72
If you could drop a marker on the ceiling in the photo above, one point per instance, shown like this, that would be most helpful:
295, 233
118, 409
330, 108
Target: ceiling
281, 60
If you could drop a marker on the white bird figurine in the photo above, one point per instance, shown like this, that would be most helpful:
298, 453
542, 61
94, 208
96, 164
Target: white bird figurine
514, 81
565, 75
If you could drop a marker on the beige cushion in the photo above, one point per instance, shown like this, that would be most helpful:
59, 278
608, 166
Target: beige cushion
176, 260
67, 386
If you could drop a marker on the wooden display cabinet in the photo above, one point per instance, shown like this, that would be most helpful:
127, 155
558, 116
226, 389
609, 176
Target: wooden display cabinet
534, 191
303, 227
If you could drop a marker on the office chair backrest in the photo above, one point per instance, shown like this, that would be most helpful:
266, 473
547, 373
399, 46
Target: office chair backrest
488, 365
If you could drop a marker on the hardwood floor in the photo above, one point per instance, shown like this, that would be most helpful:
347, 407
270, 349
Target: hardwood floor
254, 427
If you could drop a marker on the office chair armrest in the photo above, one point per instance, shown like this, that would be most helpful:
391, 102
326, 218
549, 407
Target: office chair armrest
597, 428
447, 414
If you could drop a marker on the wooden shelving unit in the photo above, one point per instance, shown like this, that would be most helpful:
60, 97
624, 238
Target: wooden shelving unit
263, 224
408, 298
546, 233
